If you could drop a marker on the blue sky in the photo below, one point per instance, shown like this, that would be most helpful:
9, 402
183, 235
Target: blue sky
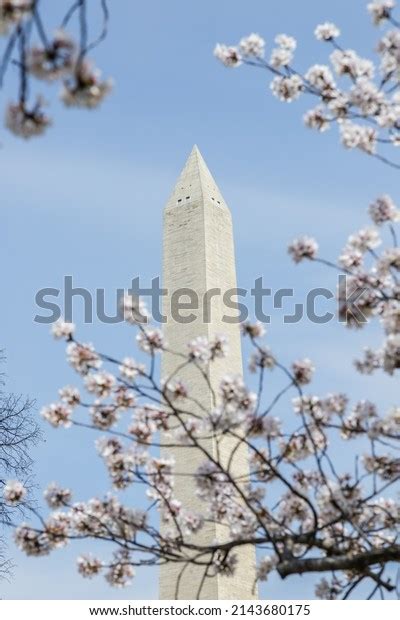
87, 200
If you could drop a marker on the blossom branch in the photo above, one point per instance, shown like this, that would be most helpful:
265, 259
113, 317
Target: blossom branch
376, 111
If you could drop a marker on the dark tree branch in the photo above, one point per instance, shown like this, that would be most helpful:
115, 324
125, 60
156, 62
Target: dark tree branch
358, 562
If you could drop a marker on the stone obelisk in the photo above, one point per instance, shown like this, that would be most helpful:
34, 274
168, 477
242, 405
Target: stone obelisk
199, 255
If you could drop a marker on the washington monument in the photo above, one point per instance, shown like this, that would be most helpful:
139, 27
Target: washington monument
199, 255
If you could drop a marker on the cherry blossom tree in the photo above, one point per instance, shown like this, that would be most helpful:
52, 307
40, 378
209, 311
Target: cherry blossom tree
359, 95
342, 523
54, 54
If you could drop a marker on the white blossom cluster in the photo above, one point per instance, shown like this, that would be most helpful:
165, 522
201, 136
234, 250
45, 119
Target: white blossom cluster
249, 47
14, 492
381, 10
27, 122
55, 61
303, 248
327, 32
202, 351
85, 89
282, 55
12, 12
